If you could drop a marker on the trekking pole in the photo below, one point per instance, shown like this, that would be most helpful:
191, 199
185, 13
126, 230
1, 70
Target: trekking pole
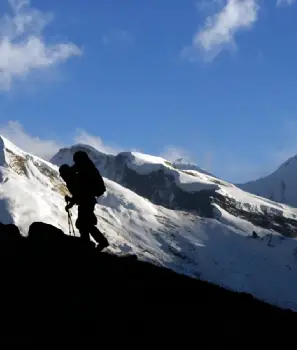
70, 224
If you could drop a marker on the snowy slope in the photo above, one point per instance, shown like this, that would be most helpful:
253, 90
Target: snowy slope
219, 249
30, 189
279, 186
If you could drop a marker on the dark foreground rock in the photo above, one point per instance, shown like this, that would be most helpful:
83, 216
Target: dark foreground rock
53, 286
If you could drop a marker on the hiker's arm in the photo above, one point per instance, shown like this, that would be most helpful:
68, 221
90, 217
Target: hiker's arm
70, 200
70, 203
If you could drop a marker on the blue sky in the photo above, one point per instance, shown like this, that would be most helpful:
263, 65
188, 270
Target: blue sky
214, 81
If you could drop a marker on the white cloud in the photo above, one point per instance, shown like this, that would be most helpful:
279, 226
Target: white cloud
208, 161
22, 45
226, 165
285, 2
173, 153
47, 148
96, 142
14, 132
220, 29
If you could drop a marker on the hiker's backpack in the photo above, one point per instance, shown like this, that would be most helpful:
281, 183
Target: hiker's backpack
93, 181
97, 183
90, 175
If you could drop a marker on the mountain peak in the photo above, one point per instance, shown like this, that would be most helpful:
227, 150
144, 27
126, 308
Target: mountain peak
8, 150
184, 164
14, 157
292, 161
65, 155
279, 186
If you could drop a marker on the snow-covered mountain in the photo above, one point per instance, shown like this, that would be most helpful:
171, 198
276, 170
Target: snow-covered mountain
194, 224
163, 184
280, 186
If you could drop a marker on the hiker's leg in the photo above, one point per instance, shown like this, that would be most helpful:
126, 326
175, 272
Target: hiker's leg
94, 231
88, 221
84, 235
98, 236
81, 224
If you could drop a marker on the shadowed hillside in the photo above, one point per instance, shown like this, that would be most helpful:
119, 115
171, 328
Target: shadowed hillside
51, 283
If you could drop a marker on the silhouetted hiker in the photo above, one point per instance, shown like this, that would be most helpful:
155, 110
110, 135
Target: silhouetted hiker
85, 184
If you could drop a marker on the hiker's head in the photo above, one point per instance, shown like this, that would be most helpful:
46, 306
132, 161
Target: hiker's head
80, 158
65, 172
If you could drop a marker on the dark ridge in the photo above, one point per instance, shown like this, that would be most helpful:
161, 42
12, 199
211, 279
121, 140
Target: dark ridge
52, 285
